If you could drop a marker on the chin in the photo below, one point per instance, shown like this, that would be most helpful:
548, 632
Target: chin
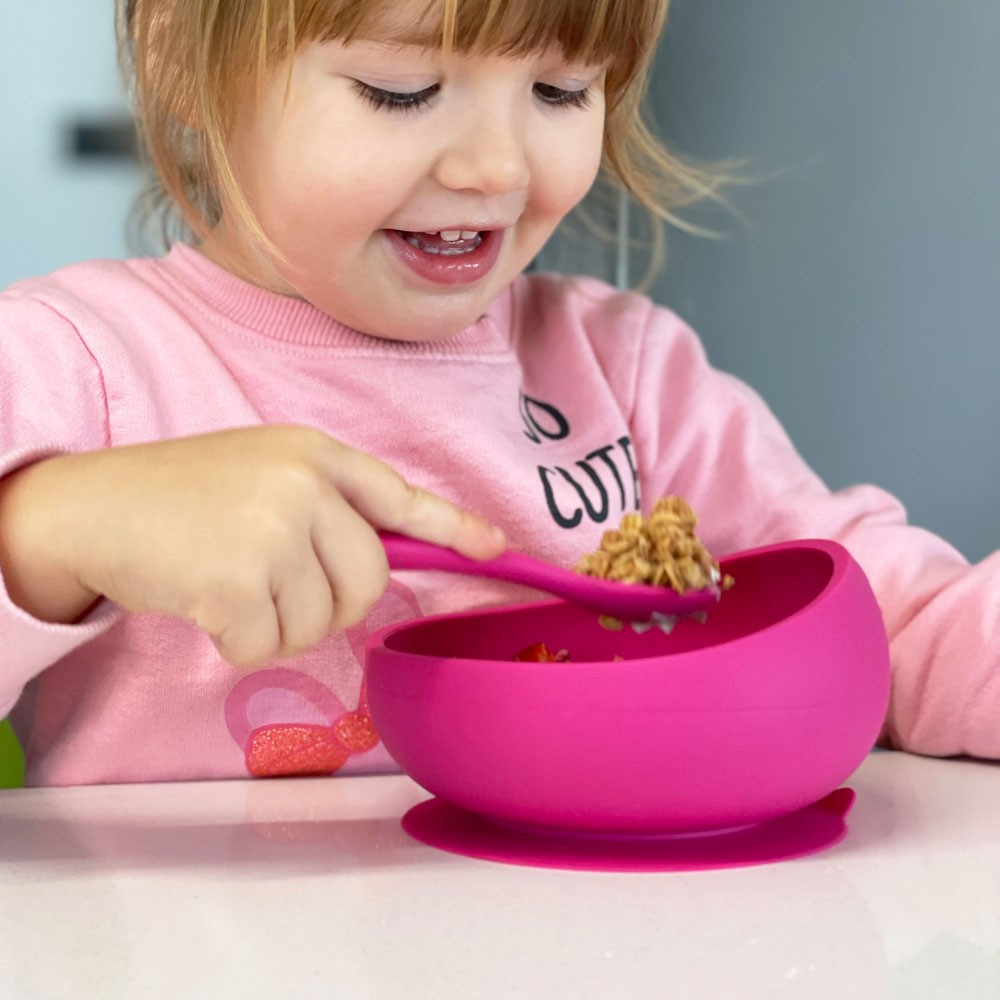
423, 334
426, 327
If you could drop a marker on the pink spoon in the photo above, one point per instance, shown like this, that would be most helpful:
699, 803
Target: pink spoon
632, 602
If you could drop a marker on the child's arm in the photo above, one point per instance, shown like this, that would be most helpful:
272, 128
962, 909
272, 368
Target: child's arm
264, 537
707, 436
68, 501
52, 400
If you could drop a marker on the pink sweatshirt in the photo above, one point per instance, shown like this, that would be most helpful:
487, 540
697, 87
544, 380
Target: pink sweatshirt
564, 407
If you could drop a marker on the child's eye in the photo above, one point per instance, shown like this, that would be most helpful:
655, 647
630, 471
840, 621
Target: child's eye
393, 101
560, 98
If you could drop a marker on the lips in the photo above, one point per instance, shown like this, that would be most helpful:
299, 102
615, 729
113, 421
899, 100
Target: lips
447, 257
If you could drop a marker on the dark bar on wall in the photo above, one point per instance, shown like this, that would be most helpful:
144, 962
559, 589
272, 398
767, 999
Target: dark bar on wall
102, 138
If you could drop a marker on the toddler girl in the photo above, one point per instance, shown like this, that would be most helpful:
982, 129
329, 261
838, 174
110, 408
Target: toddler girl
196, 451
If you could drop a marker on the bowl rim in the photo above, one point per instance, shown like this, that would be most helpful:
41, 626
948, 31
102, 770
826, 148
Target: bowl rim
842, 563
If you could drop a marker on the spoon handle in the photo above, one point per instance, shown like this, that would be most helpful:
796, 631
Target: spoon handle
631, 602
411, 553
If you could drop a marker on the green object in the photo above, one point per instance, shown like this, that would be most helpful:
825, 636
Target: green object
11, 758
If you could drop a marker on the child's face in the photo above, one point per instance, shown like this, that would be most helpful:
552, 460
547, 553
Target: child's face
501, 149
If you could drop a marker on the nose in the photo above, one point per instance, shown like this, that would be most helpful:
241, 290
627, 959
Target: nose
485, 153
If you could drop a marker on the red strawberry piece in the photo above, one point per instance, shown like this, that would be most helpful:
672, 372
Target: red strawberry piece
356, 731
294, 749
537, 652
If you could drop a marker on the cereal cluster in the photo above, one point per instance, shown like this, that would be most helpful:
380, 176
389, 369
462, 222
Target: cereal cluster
661, 550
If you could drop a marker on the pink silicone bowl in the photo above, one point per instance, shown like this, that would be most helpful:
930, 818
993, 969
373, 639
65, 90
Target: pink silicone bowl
762, 710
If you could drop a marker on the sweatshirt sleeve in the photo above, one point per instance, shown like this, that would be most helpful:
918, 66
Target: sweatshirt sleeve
52, 400
705, 435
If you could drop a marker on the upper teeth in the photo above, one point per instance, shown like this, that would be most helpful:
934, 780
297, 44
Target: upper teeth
454, 235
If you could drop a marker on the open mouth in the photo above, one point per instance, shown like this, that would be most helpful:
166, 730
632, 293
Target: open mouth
449, 256
446, 242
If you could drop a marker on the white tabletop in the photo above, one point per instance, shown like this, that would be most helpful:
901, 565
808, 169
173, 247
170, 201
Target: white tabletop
309, 888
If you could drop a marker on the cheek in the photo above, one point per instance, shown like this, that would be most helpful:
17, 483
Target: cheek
315, 173
307, 204
569, 159
566, 178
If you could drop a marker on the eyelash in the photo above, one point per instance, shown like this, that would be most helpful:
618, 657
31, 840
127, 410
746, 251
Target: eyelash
390, 100
559, 98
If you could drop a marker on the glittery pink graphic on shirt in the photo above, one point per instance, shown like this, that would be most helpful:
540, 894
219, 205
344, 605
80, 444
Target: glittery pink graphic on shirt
288, 749
289, 723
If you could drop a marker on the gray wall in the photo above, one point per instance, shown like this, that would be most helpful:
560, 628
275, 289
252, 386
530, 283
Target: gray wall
860, 298
857, 294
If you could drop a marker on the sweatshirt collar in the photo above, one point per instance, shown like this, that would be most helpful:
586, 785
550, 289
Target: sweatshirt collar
294, 321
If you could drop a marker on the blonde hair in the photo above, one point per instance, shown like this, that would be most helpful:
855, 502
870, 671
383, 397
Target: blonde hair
191, 64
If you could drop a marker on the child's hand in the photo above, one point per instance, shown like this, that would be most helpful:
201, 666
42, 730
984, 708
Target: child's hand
263, 537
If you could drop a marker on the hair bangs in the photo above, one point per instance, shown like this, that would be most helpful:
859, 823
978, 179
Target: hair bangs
620, 33
599, 31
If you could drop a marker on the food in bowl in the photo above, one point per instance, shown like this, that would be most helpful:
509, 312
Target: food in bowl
538, 652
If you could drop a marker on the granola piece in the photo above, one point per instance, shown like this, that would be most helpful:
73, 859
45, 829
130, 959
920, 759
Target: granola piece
662, 550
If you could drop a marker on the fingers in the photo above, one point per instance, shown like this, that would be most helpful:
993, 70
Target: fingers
431, 517
249, 639
304, 604
329, 587
352, 559
386, 500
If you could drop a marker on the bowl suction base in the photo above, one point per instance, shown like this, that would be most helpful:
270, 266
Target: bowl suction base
807, 831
